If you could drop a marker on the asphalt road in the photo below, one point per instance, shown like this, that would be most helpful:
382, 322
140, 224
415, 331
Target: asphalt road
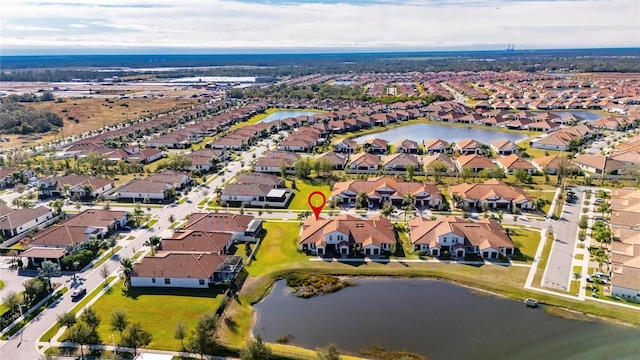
558, 273
23, 345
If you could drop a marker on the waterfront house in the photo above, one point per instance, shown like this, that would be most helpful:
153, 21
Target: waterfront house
346, 146
376, 146
504, 147
458, 237
345, 235
407, 146
436, 146
467, 146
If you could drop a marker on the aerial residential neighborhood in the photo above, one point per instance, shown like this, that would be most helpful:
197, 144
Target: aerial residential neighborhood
194, 224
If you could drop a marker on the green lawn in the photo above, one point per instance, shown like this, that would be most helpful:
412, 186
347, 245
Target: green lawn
544, 257
278, 250
157, 310
526, 241
1, 284
547, 195
302, 192
579, 256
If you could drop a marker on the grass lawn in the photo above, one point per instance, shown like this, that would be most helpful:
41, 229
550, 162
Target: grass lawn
303, 189
579, 256
278, 250
574, 288
526, 241
106, 257
1, 284
547, 195
544, 257
404, 249
157, 310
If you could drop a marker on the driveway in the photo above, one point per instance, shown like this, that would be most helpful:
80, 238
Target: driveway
559, 272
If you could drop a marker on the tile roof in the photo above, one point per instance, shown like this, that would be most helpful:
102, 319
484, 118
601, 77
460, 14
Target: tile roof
178, 265
376, 231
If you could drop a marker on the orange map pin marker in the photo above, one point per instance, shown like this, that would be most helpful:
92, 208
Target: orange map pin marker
317, 208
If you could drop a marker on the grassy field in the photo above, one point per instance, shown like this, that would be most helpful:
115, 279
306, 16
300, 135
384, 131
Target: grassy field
278, 250
302, 192
157, 310
547, 195
94, 113
1, 284
526, 241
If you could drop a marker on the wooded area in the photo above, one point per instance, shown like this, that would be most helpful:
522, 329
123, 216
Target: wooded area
19, 119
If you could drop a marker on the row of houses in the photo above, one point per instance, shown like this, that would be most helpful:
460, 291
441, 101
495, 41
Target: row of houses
492, 193
198, 255
347, 235
625, 247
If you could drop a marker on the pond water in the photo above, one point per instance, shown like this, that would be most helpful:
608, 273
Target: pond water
421, 132
283, 114
439, 320
586, 115
342, 82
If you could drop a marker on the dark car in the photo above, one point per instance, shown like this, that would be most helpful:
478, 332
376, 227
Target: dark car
77, 294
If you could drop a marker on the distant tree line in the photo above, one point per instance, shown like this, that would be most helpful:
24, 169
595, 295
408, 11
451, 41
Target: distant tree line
18, 119
25, 68
319, 91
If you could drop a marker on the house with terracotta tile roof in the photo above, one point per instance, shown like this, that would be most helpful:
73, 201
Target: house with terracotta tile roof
55, 185
364, 163
625, 246
241, 227
195, 241
510, 164
475, 162
206, 159
346, 146
494, 193
272, 162
400, 162
551, 163
14, 222
386, 189
346, 234
376, 146
185, 270
599, 164
436, 146
407, 146
427, 160
467, 146
337, 160
504, 147
460, 237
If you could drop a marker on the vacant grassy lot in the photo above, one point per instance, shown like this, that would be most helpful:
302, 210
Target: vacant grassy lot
93, 113
526, 241
157, 310
302, 192
278, 250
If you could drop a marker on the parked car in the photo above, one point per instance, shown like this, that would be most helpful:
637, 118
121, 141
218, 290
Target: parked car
79, 293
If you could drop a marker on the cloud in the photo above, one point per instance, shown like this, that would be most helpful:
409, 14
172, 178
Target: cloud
322, 23
31, 28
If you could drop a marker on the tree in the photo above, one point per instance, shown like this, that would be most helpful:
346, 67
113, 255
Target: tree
577, 275
67, 319
303, 167
540, 203
466, 174
136, 215
203, 338
437, 168
601, 232
256, 349
605, 207
523, 176
410, 172
178, 161
119, 321
82, 335
48, 270
104, 272
87, 191
56, 205
153, 242
180, 333
34, 289
127, 265
362, 200
329, 352
387, 209
12, 301
90, 317
135, 337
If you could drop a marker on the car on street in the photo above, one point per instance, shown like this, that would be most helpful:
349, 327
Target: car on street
78, 294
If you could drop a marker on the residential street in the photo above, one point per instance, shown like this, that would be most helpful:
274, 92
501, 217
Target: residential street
558, 272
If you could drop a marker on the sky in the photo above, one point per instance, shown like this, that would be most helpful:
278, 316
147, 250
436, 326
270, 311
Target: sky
143, 26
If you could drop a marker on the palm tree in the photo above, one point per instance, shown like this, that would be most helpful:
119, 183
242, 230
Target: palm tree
127, 265
87, 190
387, 209
362, 200
48, 270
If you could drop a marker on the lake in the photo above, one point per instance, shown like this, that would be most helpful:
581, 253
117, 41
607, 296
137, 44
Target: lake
420, 132
283, 114
586, 115
439, 320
